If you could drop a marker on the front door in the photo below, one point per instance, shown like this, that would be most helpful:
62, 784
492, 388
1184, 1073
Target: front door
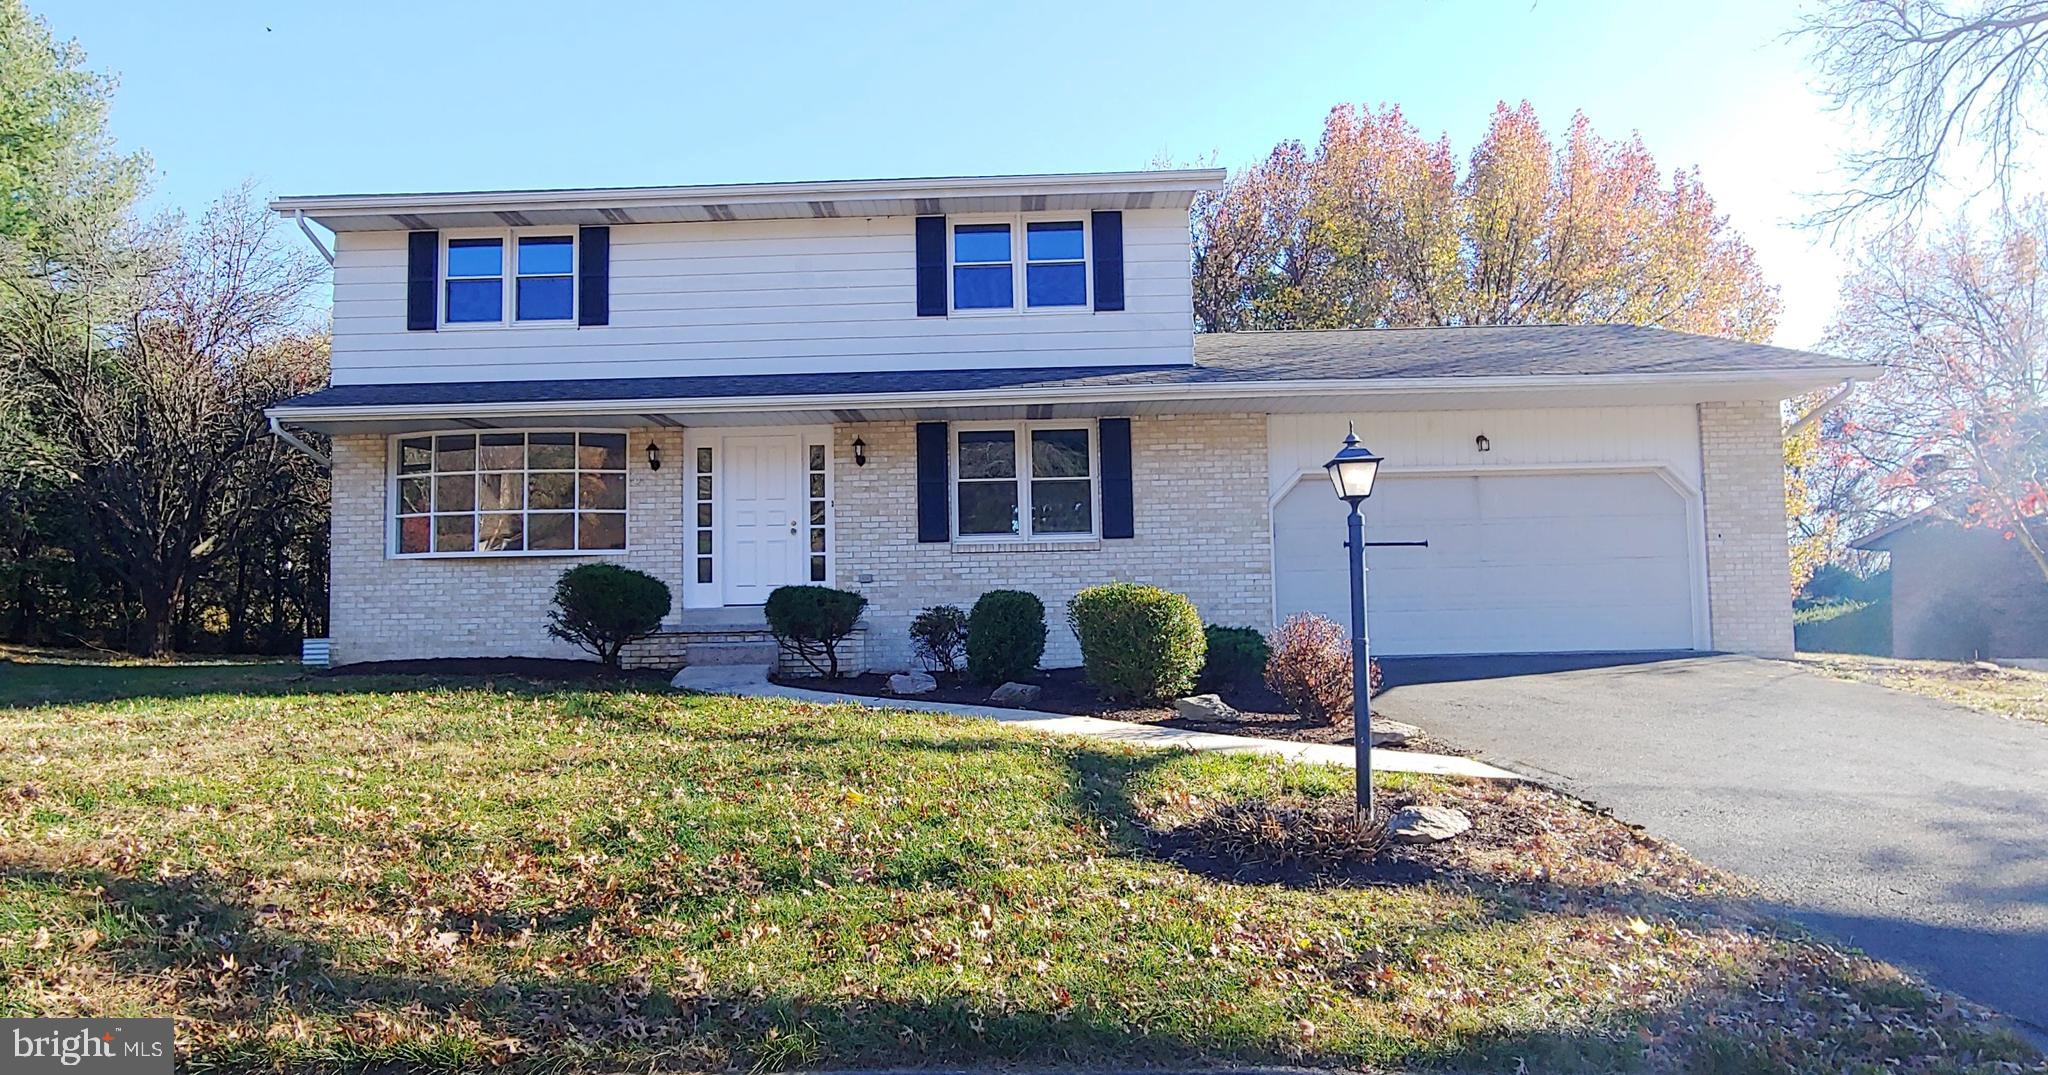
764, 513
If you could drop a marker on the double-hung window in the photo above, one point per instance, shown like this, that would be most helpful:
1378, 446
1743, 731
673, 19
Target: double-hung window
1035, 480
509, 493
990, 272
543, 284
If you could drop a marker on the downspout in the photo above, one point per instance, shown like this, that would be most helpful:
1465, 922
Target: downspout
307, 450
1821, 409
300, 216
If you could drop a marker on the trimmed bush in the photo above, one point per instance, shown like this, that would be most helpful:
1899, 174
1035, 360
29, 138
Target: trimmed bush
939, 637
1138, 643
811, 622
1311, 667
1005, 636
1237, 655
601, 607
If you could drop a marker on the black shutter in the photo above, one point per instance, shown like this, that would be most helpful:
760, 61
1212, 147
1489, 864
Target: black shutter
594, 271
1109, 260
934, 499
422, 279
1113, 441
931, 266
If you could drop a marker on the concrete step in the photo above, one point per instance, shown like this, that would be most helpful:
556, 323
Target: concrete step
723, 678
726, 653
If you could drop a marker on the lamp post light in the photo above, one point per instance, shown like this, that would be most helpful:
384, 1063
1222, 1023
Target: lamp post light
1352, 471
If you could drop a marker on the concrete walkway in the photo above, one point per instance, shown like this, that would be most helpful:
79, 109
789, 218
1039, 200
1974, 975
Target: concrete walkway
751, 681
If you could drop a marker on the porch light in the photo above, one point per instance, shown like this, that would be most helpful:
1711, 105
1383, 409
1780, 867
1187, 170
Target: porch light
653, 456
1353, 469
1483, 444
860, 452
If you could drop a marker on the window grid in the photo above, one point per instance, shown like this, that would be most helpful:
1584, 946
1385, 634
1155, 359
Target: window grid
815, 472
498, 494
704, 532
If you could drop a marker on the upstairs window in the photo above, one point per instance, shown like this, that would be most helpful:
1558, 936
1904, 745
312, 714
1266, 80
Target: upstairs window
1055, 265
476, 280
989, 272
543, 275
983, 276
546, 278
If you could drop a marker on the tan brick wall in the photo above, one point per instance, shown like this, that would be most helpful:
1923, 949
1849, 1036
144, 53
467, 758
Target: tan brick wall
388, 608
1749, 569
1202, 528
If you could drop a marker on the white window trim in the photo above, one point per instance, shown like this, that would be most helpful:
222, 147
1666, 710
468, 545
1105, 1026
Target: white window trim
391, 515
1023, 431
508, 299
1020, 302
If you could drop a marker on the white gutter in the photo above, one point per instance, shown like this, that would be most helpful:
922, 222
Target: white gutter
1821, 409
996, 397
287, 436
300, 216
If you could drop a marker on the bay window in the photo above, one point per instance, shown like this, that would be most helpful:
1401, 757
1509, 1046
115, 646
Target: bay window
483, 494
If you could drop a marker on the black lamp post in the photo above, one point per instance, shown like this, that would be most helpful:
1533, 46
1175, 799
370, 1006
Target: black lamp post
1352, 471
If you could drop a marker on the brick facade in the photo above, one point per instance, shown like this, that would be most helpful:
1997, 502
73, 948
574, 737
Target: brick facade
387, 608
1749, 572
1203, 528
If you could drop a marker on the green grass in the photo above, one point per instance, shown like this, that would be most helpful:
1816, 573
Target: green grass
334, 874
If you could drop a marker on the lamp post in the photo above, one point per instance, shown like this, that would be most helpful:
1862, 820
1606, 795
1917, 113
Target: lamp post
1352, 471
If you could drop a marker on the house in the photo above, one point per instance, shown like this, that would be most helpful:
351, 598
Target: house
923, 389
1961, 592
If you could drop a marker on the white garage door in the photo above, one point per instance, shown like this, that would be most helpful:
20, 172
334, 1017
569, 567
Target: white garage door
1547, 563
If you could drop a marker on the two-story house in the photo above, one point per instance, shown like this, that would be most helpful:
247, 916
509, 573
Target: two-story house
924, 389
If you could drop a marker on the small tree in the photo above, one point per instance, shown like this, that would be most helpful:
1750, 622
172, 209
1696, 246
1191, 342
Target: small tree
811, 622
602, 607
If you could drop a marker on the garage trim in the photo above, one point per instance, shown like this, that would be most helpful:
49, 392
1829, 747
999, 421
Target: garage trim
1695, 518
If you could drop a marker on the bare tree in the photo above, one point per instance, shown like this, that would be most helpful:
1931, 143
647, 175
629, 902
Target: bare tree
1932, 77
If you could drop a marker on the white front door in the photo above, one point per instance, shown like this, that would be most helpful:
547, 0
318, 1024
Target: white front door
764, 506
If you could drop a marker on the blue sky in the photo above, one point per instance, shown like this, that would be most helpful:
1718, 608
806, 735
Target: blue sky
373, 96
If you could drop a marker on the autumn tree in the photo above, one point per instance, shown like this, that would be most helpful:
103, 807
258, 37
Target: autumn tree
1377, 227
1958, 421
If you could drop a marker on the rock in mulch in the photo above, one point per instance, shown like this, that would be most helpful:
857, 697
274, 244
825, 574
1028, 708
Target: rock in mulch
1426, 824
912, 683
1017, 694
1204, 707
1393, 733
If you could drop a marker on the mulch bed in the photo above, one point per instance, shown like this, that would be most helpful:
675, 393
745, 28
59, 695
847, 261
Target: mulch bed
1261, 713
544, 669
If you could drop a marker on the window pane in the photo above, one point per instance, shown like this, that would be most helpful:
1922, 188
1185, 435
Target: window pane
501, 492
704, 513
412, 496
413, 533
455, 453
603, 491
476, 257
1054, 241
704, 570
983, 288
476, 300
990, 453
704, 542
703, 487
817, 457
545, 491
817, 540
501, 451
981, 242
817, 485
817, 569
988, 508
817, 513
551, 451
500, 533
455, 492
1060, 507
602, 451
415, 454
545, 298
602, 530
454, 533
553, 530
552, 254
703, 460
1059, 453
1055, 285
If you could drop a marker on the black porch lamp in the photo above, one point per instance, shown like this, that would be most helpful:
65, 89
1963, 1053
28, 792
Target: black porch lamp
653, 456
1352, 471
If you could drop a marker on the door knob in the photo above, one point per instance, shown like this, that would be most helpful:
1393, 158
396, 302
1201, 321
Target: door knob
792, 526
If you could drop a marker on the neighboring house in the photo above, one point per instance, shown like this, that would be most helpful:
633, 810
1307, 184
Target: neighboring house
925, 389
1961, 592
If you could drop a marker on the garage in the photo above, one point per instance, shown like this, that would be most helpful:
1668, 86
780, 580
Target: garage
1545, 562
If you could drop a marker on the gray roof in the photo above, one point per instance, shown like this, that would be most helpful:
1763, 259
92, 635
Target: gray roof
1248, 358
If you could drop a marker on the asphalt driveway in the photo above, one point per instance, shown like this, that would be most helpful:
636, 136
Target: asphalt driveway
1913, 829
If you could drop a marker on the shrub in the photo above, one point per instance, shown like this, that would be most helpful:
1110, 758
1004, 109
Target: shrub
1237, 655
1311, 667
601, 607
1005, 636
1138, 643
939, 637
811, 622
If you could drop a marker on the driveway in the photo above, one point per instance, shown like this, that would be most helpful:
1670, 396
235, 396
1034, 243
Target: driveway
1910, 828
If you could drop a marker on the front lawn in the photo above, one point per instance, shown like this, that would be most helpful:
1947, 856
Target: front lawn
2009, 692
360, 874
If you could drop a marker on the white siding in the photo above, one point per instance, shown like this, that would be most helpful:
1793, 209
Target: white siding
772, 296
